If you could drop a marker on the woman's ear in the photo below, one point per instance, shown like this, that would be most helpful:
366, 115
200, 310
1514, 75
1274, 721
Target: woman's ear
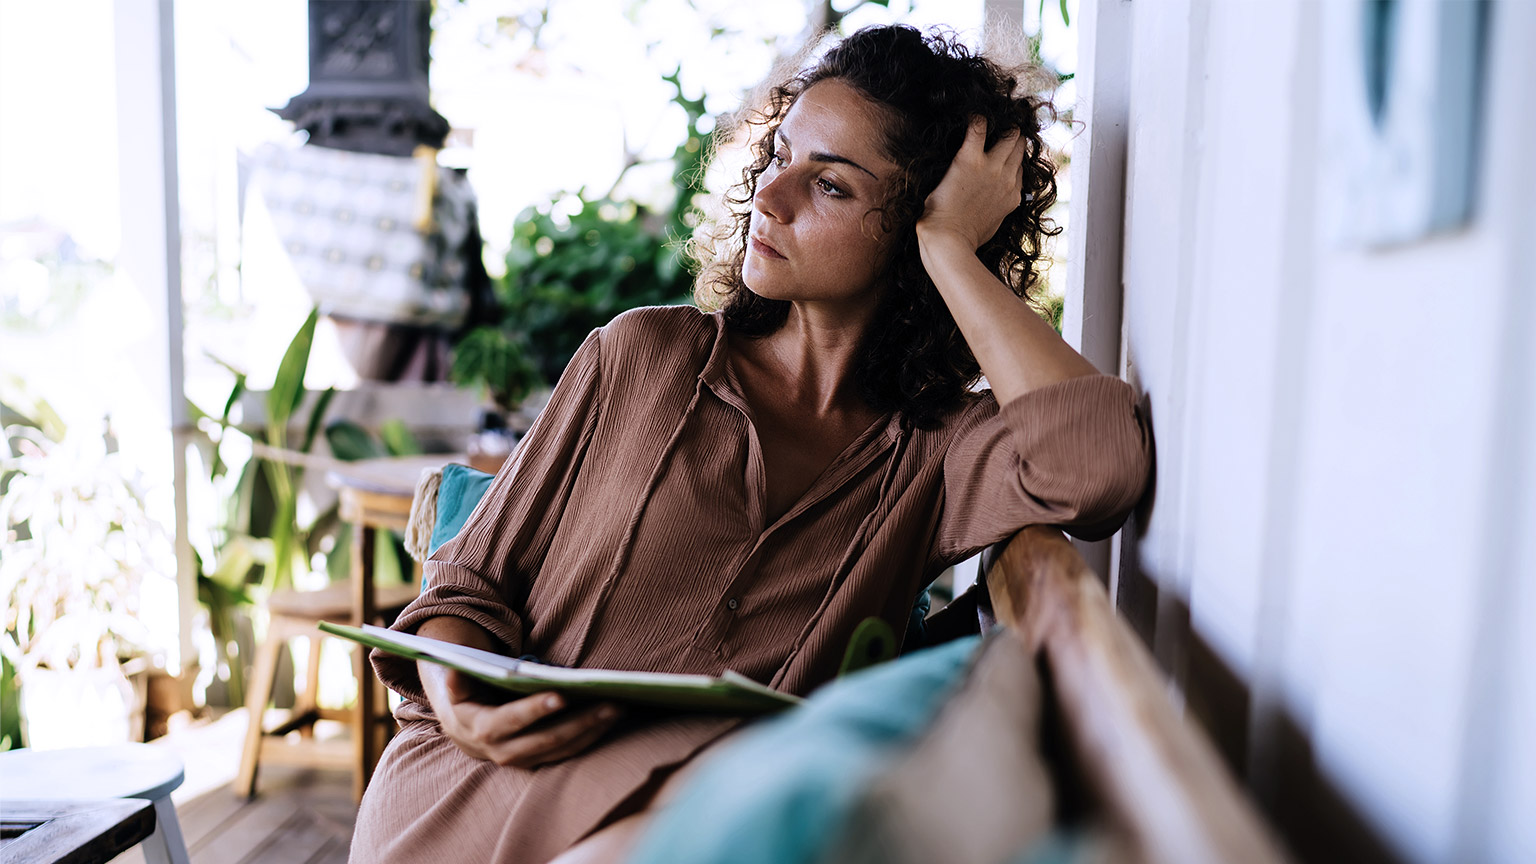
875, 225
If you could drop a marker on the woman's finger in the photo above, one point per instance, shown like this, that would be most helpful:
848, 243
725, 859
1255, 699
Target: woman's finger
581, 726
461, 687
980, 187
1015, 161
975, 138
568, 736
500, 722
577, 744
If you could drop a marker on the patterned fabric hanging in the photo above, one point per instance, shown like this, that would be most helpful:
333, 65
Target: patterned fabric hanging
373, 238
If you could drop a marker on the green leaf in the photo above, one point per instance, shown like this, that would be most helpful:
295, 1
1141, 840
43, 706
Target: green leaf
316, 417
561, 282
497, 358
236, 559
398, 439
283, 544
350, 441
338, 564
218, 597
253, 507
235, 393
288, 387
873, 642
1066, 19
328, 522
387, 568
233, 370
34, 410
10, 713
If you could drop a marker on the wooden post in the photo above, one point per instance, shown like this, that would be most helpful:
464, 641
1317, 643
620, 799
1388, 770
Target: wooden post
363, 612
1091, 320
150, 254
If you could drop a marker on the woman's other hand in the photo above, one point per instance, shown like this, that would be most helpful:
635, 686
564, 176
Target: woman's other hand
525, 732
979, 190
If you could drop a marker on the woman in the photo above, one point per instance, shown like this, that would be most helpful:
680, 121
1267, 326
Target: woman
739, 490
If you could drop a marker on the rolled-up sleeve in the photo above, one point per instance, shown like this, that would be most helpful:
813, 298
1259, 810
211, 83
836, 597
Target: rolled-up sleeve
483, 574
1075, 453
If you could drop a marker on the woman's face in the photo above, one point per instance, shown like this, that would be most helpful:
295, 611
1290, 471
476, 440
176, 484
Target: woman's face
814, 237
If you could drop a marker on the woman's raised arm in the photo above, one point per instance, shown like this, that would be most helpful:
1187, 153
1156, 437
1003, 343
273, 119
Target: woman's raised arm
1075, 451
1017, 350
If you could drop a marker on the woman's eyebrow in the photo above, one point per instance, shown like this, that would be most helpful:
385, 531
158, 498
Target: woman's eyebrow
830, 158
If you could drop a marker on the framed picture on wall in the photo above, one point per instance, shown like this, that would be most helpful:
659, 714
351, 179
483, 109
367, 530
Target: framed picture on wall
1401, 93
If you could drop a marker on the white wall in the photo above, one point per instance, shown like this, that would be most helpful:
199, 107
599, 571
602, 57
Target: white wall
1346, 487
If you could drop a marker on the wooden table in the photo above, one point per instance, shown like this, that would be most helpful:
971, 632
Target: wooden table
375, 494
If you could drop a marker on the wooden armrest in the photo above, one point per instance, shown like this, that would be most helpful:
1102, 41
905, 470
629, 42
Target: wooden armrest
1159, 779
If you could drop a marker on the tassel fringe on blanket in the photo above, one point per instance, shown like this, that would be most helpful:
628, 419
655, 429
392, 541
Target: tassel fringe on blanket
418, 528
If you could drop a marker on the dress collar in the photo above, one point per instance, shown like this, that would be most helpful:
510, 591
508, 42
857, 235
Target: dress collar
716, 375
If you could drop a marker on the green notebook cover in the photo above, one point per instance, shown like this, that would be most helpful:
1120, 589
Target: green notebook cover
730, 693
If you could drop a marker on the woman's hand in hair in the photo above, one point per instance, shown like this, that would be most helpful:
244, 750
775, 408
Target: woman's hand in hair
1017, 350
979, 190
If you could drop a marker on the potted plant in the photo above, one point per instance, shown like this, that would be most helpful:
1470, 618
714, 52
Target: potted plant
79, 549
575, 261
260, 541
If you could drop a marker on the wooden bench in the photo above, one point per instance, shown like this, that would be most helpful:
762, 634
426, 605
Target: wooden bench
1154, 778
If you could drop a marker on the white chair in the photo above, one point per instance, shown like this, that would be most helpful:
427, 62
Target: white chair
113, 771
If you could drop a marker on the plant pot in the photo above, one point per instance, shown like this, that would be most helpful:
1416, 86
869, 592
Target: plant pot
82, 707
166, 695
489, 448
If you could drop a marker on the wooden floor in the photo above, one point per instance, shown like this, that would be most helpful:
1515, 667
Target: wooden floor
299, 816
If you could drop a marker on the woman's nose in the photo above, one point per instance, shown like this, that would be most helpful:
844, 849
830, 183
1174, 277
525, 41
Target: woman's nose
772, 198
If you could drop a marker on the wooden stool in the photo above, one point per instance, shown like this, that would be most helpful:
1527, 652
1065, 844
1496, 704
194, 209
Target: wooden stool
375, 494
115, 771
295, 614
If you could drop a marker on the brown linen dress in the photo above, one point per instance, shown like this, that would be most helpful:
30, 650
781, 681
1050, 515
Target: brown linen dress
628, 532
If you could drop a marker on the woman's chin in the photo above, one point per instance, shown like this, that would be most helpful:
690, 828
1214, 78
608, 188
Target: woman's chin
768, 289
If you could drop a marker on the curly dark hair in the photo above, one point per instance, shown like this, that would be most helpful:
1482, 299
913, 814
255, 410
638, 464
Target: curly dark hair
913, 359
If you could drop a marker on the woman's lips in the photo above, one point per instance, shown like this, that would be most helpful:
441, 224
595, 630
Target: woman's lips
765, 250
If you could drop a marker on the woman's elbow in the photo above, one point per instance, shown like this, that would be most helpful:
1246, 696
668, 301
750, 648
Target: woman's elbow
1114, 480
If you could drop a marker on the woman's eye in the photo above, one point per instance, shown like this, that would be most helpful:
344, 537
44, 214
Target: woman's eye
830, 188
778, 159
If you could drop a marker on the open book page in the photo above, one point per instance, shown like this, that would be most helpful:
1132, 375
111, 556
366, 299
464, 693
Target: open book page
733, 677
731, 692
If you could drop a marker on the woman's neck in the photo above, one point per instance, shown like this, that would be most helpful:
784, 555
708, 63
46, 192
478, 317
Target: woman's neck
811, 358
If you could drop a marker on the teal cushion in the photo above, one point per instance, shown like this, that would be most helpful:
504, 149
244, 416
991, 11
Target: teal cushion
461, 489
781, 792
1063, 846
